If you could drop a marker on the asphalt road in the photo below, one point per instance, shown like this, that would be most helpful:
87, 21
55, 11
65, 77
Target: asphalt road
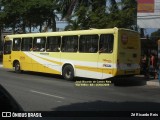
46, 92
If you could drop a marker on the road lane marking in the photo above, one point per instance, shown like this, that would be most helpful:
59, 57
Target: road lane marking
42, 93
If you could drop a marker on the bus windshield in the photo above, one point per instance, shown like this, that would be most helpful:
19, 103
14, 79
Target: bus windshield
7, 47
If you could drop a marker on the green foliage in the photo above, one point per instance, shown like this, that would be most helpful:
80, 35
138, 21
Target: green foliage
97, 15
38, 12
81, 14
73, 25
19, 14
64, 6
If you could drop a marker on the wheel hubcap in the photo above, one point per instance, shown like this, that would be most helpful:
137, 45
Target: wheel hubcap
68, 74
17, 67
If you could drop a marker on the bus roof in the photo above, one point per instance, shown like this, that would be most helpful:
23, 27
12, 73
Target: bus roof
65, 33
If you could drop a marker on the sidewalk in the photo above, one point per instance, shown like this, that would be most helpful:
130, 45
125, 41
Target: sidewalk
154, 82
150, 81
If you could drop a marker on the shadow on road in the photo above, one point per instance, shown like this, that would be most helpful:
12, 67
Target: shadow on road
130, 81
98, 110
39, 74
121, 82
110, 106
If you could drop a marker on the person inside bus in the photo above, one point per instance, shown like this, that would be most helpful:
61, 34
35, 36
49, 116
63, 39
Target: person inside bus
92, 49
102, 49
56, 48
50, 48
42, 49
35, 48
75, 48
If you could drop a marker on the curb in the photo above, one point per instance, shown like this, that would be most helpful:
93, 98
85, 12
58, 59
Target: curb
153, 83
150, 82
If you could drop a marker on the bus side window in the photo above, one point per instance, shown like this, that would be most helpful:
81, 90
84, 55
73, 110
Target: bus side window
16, 44
39, 44
88, 43
70, 43
26, 44
106, 43
53, 44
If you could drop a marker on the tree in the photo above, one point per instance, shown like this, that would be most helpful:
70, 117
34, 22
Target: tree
65, 7
40, 11
19, 14
129, 13
73, 25
87, 13
46, 13
11, 13
95, 13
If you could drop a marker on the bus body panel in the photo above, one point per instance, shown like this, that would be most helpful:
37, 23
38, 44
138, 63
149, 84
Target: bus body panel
7, 63
45, 62
26, 62
122, 60
106, 64
82, 63
128, 54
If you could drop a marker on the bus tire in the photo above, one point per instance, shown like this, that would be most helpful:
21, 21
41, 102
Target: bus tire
68, 72
17, 67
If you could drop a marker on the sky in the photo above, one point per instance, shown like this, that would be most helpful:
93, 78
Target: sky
148, 31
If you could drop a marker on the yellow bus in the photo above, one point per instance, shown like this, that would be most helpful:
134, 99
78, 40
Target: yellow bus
94, 53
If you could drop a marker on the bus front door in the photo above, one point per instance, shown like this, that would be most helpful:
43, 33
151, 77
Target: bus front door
105, 64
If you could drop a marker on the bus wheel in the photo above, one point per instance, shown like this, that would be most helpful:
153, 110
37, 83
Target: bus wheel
68, 72
17, 68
